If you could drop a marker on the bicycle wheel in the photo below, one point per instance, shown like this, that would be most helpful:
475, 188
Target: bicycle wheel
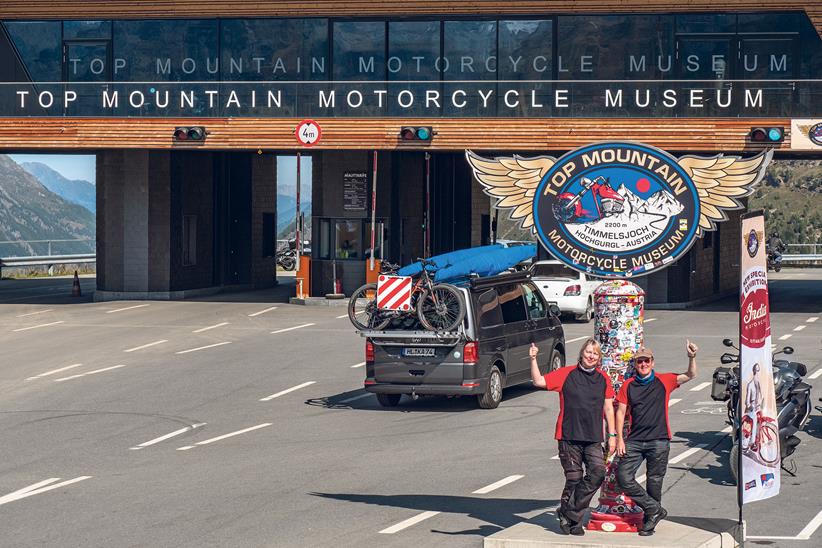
441, 309
768, 443
363, 311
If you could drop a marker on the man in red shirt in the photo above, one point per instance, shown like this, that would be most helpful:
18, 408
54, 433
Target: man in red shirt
644, 398
585, 393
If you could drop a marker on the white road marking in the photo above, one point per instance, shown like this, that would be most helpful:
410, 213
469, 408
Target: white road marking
785, 337
701, 386
89, 373
224, 436
815, 374
53, 371
39, 487
555, 457
210, 327
355, 398
685, 454
269, 309
408, 523
292, 389
799, 327
651, 320
804, 534
37, 326
494, 486
155, 343
812, 319
577, 339
674, 401
343, 316
167, 436
292, 328
356, 365
202, 347
126, 308
33, 313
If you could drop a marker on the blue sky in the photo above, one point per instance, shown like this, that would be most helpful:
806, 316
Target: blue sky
70, 166
287, 176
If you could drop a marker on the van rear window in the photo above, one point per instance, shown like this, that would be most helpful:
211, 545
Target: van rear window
488, 309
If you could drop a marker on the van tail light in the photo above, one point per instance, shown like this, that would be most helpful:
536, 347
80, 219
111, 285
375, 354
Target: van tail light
470, 353
573, 290
369, 352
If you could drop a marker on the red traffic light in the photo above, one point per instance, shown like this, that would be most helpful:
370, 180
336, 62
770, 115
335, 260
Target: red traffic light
193, 133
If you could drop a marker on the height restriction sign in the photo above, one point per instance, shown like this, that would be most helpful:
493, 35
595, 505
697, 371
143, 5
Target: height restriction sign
308, 132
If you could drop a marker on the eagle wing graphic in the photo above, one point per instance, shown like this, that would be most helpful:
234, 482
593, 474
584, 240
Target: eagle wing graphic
720, 182
513, 181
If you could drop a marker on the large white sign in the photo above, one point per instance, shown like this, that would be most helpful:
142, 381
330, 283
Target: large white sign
759, 428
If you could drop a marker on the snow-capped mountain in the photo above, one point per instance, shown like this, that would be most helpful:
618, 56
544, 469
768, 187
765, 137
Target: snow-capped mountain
661, 202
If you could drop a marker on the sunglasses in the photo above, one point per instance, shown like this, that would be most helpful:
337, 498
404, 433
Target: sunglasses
643, 360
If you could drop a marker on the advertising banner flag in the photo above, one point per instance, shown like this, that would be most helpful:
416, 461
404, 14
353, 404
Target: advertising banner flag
759, 473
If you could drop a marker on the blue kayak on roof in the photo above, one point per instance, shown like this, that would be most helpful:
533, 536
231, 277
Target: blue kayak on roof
484, 261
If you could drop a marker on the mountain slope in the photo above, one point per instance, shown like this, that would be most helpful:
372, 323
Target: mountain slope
29, 211
77, 191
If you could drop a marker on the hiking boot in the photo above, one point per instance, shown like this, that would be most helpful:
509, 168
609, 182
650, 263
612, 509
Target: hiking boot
565, 522
578, 530
650, 521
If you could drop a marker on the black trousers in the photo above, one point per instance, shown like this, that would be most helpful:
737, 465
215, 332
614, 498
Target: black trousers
580, 486
655, 453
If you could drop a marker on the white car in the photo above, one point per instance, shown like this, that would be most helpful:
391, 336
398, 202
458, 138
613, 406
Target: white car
572, 291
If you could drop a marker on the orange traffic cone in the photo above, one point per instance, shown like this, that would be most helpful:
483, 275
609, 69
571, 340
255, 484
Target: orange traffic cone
75, 288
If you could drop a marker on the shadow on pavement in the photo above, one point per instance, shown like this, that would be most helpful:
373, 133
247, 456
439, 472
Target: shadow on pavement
52, 290
792, 290
500, 513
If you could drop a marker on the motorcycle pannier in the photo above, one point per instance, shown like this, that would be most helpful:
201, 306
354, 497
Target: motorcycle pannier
720, 391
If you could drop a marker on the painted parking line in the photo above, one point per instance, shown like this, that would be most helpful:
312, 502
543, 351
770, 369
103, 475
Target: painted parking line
816, 374
292, 328
685, 454
355, 398
577, 339
34, 313
287, 391
651, 320
167, 436
39, 487
785, 337
812, 319
54, 371
224, 436
799, 327
356, 365
408, 523
215, 326
701, 386
496, 485
36, 326
804, 534
202, 347
149, 345
89, 373
343, 316
269, 309
126, 308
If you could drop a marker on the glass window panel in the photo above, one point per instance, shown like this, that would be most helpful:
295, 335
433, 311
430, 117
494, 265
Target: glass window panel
87, 62
470, 53
359, 54
768, 22
87, 30
536, 308
413, 50
489, 311
347, 239
525, 53
706, 23
40, 48
511, 303
764, 58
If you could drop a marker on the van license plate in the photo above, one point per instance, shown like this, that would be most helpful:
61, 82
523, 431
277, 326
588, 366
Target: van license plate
418, 352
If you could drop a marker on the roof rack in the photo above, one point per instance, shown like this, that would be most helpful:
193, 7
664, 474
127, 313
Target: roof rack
510, 277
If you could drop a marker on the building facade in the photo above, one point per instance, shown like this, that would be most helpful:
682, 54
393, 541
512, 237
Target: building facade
500, 78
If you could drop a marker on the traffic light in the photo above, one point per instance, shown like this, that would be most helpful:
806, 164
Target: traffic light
192, 134
422, 134
767, 134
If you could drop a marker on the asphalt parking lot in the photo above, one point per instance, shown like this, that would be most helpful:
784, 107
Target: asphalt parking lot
237, 420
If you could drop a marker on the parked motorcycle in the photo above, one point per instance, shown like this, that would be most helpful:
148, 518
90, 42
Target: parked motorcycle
774, 259
793, 403
287, 259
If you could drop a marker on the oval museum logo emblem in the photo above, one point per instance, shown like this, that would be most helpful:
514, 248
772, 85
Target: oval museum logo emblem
618, 209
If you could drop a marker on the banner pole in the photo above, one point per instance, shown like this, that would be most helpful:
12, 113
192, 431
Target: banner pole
373, 210
738, 429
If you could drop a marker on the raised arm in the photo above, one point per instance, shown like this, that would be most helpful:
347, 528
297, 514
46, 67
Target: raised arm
536, 376
692, 349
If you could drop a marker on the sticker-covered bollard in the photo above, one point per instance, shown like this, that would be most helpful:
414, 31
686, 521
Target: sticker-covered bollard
619, 307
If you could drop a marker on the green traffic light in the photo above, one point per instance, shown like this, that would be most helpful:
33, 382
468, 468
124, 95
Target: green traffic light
423, 133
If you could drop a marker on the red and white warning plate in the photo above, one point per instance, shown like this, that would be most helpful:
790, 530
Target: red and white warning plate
394, 292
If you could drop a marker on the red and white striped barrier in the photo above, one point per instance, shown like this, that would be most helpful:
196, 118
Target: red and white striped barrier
394, 292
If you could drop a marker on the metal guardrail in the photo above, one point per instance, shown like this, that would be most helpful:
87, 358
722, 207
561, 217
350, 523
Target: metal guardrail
802, 258
47, 260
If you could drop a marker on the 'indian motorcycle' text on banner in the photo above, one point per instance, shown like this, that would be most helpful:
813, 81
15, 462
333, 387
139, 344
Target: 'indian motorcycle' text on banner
759, 433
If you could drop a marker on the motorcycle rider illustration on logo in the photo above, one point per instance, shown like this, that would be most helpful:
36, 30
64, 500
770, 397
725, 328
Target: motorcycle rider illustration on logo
568, 208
